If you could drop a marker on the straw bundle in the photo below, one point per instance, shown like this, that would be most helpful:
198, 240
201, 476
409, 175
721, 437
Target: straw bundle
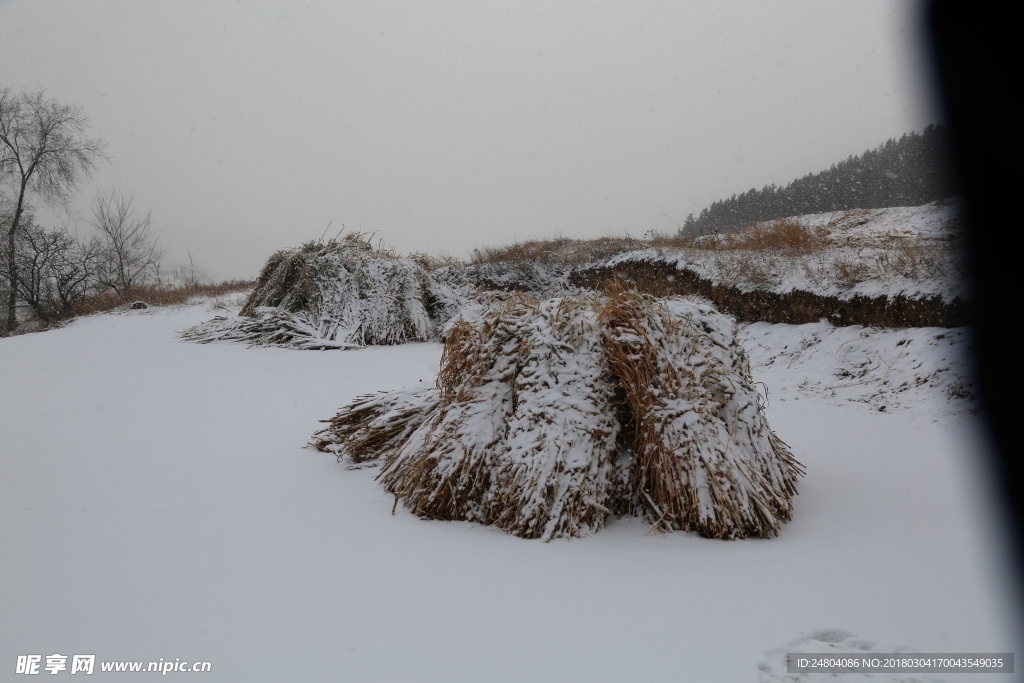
704, 457
549, 416
337, 294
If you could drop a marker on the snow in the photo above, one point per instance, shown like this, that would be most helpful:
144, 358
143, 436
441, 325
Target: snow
887, 369
834, 643
158, 502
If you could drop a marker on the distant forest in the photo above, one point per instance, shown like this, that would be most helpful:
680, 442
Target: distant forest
911, 171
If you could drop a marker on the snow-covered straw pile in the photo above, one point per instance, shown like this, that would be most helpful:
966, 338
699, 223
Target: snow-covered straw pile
549, 416
339, 294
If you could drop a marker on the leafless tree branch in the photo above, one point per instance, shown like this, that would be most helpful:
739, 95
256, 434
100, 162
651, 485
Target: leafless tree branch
44, 151
130, 250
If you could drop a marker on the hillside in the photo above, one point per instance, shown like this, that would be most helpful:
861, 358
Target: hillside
903, 251
895, 267
913, 170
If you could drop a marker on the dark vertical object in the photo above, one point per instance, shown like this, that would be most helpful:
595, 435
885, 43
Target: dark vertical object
976, 52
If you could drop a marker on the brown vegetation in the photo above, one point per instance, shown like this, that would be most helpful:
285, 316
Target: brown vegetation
154, 295
794, 307
560, 250
782, 236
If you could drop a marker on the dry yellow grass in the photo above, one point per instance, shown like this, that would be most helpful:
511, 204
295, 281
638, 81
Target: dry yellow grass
162, 296
562, 251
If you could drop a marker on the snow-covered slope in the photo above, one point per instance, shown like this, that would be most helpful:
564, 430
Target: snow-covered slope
157, 502
916, 368
909, 251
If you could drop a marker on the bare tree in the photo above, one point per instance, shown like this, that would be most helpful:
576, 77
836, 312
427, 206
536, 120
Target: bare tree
189, 275
130, 251
6, 214
44, 151
56, 271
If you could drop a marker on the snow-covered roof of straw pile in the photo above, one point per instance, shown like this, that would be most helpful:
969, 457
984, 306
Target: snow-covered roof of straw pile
340, 294
549, 416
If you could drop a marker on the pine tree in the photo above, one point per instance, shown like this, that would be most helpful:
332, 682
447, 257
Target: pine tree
913, 170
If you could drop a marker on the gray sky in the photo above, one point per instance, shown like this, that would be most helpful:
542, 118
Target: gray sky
248, 125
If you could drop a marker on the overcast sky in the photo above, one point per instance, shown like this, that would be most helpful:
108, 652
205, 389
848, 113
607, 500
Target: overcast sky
247, 126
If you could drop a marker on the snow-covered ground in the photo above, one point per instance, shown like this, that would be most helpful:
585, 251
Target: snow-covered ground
914, 368
157, 502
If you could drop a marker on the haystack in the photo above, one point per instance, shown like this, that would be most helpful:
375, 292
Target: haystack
549, 416
339, 294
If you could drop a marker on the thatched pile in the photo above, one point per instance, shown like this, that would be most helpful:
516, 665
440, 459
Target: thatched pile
549, 416
339, 294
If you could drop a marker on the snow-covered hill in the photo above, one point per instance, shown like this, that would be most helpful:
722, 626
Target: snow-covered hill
908, 251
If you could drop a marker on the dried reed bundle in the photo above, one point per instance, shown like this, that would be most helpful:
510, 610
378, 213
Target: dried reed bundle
549, 416
339, 294
373, 425
705, 458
